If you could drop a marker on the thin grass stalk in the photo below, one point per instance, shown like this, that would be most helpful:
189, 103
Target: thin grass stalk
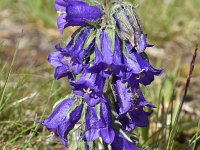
37, 125
174, 129
9, 74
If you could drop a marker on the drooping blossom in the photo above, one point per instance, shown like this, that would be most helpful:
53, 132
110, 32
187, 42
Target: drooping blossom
120, 142
106, 66
69, 60
90, 86
76, 13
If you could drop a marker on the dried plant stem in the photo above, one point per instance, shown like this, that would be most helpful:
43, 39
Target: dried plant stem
174, 126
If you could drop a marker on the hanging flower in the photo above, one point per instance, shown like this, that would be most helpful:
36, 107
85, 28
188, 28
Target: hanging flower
58, 115
99, 128
90, 86
108, 61
69, 60
105, 65
92, 124
120, 142
138, 67
76, 13
107, 132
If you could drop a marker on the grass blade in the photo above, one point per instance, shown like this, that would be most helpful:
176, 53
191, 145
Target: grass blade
174, 126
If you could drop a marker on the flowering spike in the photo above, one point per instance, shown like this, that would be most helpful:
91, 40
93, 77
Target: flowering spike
105, 63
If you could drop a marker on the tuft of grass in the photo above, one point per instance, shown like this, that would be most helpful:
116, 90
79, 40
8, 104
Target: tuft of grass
4, 101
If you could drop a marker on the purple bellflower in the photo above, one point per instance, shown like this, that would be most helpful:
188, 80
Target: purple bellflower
107, 132
76, 13
121, 143
92, 124
90, 86
105, 69
139, 67
99, 128
67, 125
106, 61
69, 60
58, 115
103, 56
128, 97
57, 122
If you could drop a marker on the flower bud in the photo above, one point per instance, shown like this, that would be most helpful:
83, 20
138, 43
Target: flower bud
129, 26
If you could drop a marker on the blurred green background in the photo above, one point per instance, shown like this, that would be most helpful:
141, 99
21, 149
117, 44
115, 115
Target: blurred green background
28, 91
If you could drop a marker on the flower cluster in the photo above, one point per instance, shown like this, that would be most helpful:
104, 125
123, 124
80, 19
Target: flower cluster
105, 65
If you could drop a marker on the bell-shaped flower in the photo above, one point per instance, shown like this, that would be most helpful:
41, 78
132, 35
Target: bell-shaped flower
92, 124
59, 114
106, 131
118, 66
108, 61
124, 97
122, 143
136, 117
69, 60
90, 86
67, 125
129, 95
138, 98
79, 52
139, 116
76, 13
61, 62
103, 56
102, 127
139, 67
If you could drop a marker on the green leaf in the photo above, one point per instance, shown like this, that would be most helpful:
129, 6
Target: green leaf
98, 110
126, 136
77, 102
94, 23
145, 56
111, 34
90, 39
98, 41
125, 51
77, 33
126, 27
94, 2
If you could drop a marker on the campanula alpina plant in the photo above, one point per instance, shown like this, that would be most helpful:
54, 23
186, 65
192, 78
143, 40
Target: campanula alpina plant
105, 64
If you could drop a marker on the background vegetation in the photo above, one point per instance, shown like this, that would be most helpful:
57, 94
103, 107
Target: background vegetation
28, 90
